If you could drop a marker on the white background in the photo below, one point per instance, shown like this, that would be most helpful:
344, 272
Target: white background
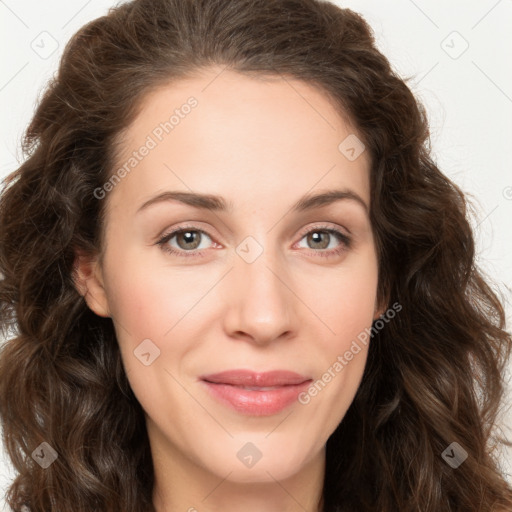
468, 96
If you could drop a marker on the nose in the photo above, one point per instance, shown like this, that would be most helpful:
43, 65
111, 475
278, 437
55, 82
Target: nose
261, 305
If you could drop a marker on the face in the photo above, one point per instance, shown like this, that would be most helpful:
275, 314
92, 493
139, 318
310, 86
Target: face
217, 259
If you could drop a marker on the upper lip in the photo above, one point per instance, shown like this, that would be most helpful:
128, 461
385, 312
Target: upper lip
256, 379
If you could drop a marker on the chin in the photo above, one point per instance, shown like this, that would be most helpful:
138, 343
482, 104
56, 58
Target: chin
276, 461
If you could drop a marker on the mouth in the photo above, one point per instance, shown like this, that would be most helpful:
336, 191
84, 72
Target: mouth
256, 394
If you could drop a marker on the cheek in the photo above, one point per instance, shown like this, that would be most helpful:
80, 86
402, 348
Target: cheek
135, 301
146, 305
347, 310
143, 307
346, 302
155, 302
147, 299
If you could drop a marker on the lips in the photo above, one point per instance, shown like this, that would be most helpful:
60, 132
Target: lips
256, 394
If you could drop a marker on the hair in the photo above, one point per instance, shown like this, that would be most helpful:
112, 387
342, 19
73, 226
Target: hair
433, 376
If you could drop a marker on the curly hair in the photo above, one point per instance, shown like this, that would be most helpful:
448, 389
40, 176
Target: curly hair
433, 376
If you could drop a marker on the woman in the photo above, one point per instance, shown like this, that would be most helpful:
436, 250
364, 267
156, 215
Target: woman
236, 278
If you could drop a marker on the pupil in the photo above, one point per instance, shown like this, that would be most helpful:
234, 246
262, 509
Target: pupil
316, 238
188, 238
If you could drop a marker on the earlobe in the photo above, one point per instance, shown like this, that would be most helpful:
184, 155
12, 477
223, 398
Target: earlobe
88, 279
379, 311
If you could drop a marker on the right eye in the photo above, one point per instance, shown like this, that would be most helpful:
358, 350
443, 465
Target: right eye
187, 241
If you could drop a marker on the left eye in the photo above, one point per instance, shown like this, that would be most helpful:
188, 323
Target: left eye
189, 240
321, 239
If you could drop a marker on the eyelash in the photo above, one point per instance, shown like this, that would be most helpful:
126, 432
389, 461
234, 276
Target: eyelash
345, 240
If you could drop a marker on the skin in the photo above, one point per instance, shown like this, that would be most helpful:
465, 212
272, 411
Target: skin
261, 144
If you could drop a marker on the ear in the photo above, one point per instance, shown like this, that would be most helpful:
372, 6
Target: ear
380, 309
378, 313
88, 279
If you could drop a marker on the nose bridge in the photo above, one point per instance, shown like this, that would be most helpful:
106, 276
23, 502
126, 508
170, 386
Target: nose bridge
261, 304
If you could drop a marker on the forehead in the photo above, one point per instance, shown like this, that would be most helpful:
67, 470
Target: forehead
254, 138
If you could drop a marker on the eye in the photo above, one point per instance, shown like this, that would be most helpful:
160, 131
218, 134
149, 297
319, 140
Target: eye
326, 241
187, 240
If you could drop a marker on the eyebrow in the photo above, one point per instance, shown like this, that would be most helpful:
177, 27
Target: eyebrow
219, 204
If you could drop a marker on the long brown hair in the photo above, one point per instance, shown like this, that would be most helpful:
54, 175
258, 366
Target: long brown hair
434, 375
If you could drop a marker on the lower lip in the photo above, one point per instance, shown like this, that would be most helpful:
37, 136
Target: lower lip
256, 403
